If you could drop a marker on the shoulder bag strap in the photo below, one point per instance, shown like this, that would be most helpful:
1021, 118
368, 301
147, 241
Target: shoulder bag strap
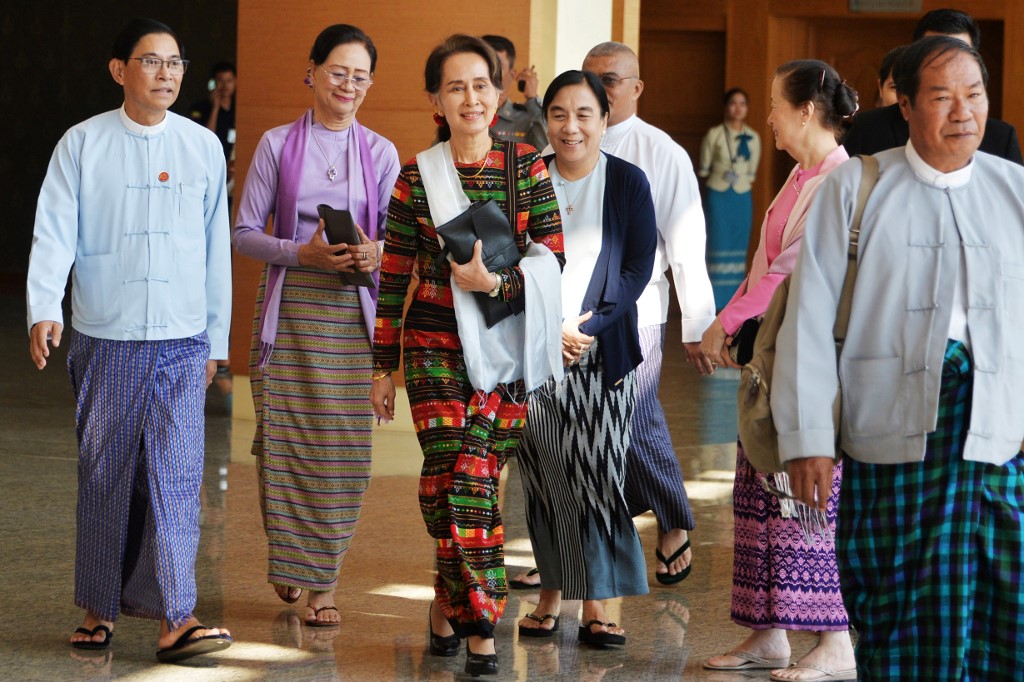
510, 182
869, 176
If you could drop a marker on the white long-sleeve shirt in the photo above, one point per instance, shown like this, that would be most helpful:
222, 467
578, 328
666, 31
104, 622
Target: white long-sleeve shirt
681, 233
141, 214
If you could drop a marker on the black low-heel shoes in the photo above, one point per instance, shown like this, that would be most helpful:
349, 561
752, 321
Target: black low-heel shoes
480, 664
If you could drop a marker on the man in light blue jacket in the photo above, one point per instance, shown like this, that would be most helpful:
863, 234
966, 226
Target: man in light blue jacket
134, 201
930, 538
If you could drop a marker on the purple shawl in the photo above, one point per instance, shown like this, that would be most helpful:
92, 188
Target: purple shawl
286, 216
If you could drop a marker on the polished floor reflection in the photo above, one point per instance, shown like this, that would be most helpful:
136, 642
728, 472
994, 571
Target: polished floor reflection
385, 583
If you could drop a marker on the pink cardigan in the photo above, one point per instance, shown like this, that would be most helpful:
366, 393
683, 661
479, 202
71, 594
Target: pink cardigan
751, 300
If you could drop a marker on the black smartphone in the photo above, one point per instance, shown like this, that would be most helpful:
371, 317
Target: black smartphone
341, 229
522, 86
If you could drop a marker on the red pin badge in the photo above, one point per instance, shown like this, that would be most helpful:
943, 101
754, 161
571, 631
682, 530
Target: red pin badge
163, 176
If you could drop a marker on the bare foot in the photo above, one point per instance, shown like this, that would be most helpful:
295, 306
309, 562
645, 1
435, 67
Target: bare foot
770, 644
525, 580
548, 606
90, 623
593, 609
320, 609
833, 652
169, 637
288, 594
668, 544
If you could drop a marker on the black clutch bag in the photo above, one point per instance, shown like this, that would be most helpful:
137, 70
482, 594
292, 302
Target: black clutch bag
341, 229
485, 221
742, 347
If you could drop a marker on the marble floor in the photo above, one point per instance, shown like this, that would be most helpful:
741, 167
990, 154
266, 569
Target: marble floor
384, 588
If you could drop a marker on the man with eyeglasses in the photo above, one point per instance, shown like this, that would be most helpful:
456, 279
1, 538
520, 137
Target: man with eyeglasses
134, 201
654, 480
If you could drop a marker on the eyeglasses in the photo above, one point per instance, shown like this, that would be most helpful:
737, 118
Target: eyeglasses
152, 65
609, 80
338, 78
812, 521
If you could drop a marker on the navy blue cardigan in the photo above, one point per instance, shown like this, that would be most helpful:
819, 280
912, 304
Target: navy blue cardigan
623, 269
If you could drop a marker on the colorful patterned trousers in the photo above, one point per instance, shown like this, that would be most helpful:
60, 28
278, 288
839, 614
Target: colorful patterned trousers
140, 432
930, 555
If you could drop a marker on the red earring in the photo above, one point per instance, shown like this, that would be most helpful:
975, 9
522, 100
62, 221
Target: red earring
439, 120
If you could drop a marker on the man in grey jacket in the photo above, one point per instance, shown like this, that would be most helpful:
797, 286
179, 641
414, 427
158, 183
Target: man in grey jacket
929, 539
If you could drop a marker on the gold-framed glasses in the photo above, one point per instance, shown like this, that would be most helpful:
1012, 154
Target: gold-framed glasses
152, 65
338, 78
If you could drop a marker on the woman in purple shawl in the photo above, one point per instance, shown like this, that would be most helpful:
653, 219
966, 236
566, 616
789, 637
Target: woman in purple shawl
310, 361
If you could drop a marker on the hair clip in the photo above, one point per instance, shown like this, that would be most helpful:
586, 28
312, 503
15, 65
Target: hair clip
821, 81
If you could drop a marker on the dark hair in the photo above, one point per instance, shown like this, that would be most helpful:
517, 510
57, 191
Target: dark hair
221, 67
734, 91
812, 80
458, 43
574, 77
136, 30
922, 53
888, 65
949, 22
341, 34
502, 44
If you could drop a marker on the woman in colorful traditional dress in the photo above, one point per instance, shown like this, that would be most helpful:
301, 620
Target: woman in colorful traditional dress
310, 362
467, 419
729, 156
782, 581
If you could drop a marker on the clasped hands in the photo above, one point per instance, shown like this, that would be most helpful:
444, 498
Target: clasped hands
318, 253
574, 342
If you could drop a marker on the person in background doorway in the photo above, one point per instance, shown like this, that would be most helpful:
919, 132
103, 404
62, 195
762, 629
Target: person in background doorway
729, 156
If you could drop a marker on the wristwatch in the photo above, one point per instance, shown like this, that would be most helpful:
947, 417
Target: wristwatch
493, 293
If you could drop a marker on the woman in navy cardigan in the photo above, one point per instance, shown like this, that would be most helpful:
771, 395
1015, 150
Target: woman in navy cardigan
572, 455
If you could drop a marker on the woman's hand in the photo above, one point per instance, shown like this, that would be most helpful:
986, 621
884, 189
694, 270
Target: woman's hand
366, 254
317, 253
574, 342
473, 276
713, 347
382, 397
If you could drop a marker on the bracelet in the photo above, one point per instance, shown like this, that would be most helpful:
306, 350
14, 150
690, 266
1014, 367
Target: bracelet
377, 376
493, 293
380, 253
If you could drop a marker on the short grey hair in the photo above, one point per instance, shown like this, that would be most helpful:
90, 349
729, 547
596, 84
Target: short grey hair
609, 49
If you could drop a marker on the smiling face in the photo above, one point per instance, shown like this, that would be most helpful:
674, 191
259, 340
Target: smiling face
467, 98
338, 104
786, 120
575, 127
147, 96
947, 119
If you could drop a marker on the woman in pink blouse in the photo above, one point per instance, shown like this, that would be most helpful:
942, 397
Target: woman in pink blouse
780, 581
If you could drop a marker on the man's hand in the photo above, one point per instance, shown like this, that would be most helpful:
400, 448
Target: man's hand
211, 369
810, 479
41, 333
532, 82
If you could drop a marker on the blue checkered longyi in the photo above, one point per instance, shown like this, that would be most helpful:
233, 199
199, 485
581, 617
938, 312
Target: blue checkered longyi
930, 555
